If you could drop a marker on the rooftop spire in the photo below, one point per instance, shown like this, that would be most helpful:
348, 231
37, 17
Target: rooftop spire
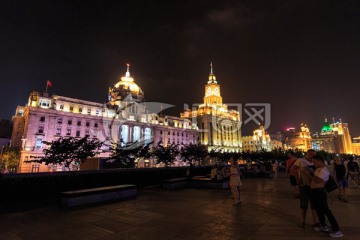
127, 70
212, 77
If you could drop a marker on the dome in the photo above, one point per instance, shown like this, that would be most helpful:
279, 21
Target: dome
327, 127
127, 83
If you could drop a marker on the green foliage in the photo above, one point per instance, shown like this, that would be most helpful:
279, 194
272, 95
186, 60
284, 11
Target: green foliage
193, 152
126, 153
166, 154
10, 158
69, 151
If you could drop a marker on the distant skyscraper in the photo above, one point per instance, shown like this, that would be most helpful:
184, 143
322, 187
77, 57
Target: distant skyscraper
219, 127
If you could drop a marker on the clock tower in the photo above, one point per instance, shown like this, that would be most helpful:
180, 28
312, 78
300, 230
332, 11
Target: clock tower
212, 90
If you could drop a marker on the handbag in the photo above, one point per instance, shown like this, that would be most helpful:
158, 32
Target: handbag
330, 184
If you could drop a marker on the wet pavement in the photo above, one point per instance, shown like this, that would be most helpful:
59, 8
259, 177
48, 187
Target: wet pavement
267, 211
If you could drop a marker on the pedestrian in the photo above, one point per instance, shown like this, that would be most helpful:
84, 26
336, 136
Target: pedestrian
235, 181
291, 171
353, 170
340, 174
319, 198
275, 168
303, 181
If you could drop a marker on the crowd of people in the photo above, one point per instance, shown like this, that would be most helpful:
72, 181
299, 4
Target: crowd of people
308, 177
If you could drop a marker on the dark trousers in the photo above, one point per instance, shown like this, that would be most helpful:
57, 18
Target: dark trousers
319, 202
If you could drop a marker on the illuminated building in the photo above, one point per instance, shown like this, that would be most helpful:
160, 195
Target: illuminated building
334, 138
356, 146
298, 138
125, 116
260, 140
219, 127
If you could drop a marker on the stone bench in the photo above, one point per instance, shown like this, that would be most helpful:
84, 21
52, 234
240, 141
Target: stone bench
206, 182
97, 195
174, 183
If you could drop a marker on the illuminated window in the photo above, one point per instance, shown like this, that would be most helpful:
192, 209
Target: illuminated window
89, 111
87, 133
59, 121
95, 134
61, 106
80, 109
58, 131
38, 144
68, 131
71, 108
136, 134
97, 111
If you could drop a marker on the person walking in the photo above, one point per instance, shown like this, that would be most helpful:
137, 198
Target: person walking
291, 172
275, 168
303, 165
340, 175
319, 198
353, 170
235, 181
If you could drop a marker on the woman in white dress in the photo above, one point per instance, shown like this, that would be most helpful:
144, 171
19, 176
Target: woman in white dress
235, 181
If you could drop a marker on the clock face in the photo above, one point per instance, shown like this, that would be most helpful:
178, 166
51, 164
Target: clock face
216, 90
208, 91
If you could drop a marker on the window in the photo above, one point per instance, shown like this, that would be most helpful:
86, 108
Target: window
80, 109
41, 129
42, 119
78, 123
38, 144
35, 168
59, 121
96, 125
168, 132
178, 134
58, 131
97, 111
78, 133
71, 108
89, 111
61, 106
70, 122
68, 132
95, 133
87, 133
160, 131
87, 124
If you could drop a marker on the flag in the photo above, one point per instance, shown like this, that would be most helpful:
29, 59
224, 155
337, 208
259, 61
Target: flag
49, 84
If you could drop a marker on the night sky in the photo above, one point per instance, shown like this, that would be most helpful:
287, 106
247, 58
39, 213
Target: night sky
302, 57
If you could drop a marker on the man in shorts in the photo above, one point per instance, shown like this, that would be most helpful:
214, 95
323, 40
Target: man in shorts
291, 171
304, 165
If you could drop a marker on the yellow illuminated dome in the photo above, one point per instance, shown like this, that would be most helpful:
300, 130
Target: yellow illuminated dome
127, 83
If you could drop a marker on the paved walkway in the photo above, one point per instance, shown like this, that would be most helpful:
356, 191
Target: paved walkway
268, 211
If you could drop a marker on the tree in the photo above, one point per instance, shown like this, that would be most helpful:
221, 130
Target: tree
69, 151
193, 152
166, 154
124, 154
10, 158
